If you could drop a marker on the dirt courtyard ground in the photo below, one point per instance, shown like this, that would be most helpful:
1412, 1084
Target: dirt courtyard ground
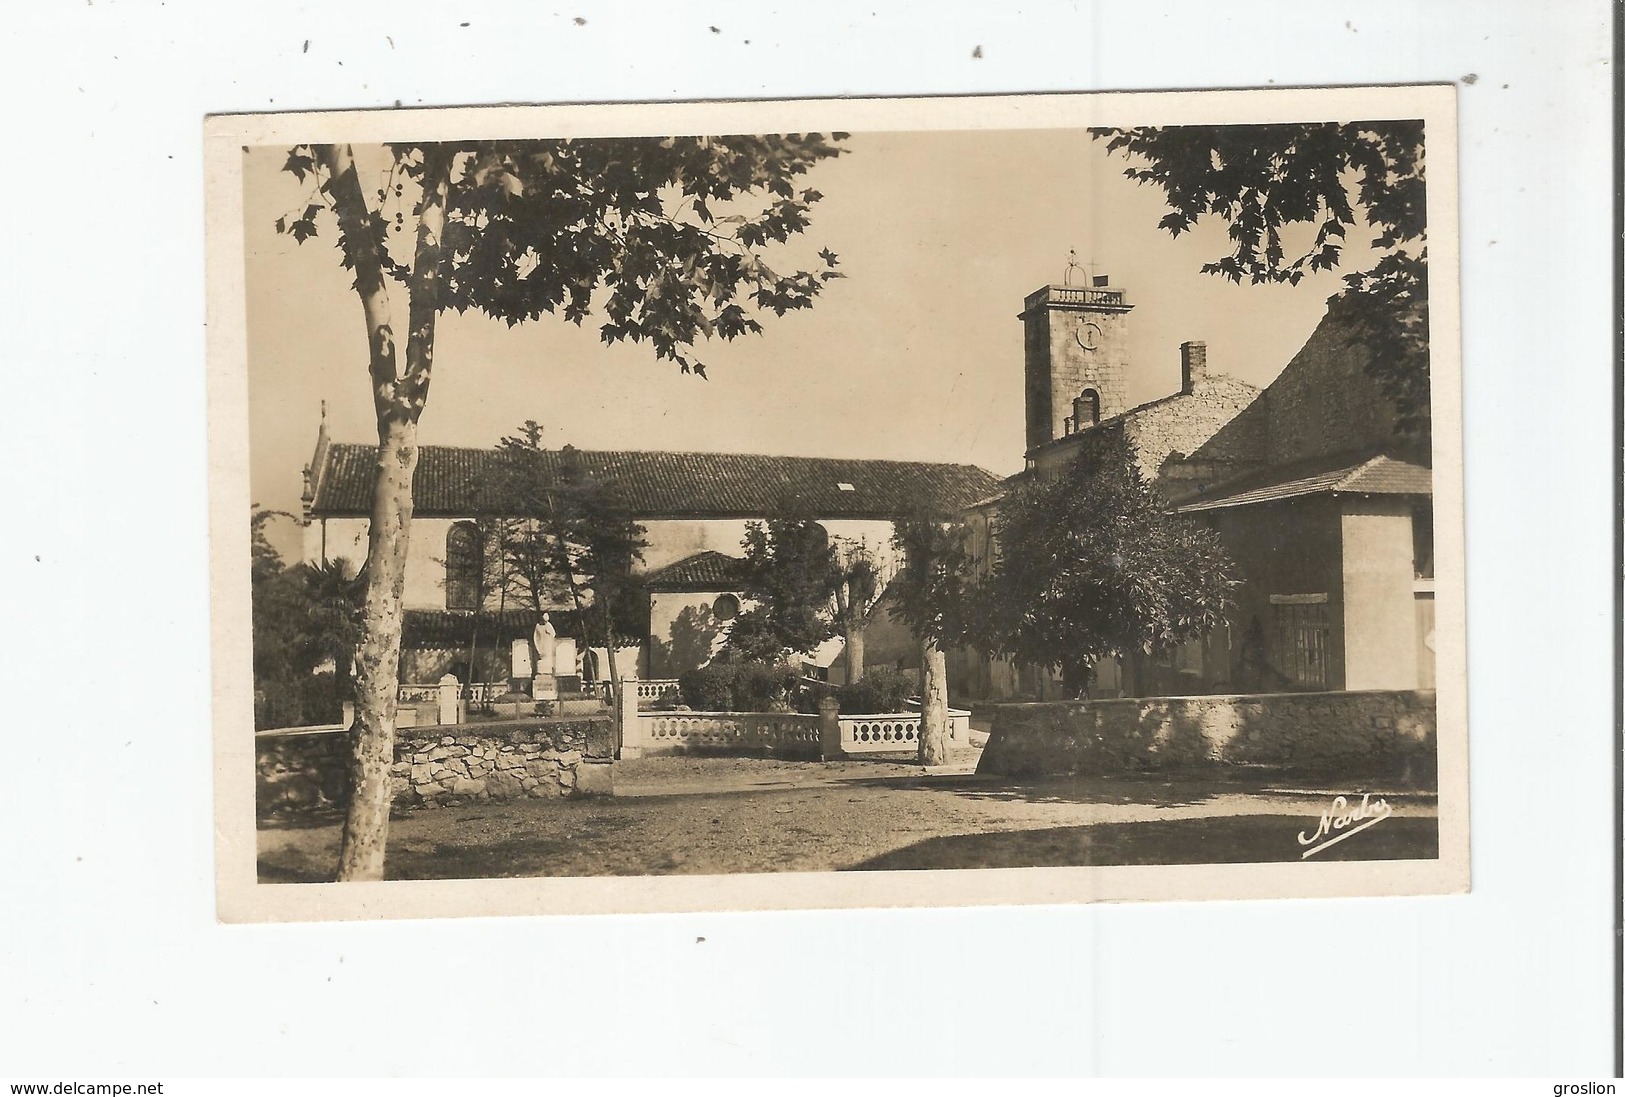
722, 815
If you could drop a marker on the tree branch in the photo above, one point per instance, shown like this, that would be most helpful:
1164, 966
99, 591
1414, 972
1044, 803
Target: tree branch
425, 280
356, 240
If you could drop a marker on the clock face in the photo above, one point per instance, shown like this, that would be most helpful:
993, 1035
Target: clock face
1088, 335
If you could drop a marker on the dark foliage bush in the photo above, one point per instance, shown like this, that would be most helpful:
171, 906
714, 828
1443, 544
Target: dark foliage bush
737, 687
763, 687
296, 700
882, 689
708, 688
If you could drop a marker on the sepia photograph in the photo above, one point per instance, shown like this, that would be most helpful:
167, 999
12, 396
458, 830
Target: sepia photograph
890, 502
735, 541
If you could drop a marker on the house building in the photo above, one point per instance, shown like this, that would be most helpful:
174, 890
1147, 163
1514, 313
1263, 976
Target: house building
1321, 503
693, 506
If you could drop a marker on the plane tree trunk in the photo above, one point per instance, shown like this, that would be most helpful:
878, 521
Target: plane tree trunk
933, 705
398, 399
854, 652
366, 826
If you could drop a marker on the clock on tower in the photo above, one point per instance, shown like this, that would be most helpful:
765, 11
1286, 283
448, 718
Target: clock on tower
1076, 356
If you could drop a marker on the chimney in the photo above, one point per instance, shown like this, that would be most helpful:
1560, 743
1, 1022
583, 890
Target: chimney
1192, 365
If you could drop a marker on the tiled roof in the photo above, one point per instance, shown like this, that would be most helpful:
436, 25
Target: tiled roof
702, 571
667, 485
1375, 475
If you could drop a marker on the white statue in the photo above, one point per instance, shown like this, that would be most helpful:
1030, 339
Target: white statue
544, 638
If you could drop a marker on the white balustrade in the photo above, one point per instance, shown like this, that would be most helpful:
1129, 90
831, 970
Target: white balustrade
871, 734
783, 732
418, 693
653, 689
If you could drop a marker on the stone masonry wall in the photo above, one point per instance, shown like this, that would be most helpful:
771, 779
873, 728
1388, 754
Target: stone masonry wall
1186, 422
1324, 402
509, 760
1366, 733
1165, 431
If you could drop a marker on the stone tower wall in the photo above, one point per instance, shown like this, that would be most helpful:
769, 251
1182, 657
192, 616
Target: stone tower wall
1060, 367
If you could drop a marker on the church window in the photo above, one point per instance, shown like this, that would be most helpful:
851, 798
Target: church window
725, 608
463, 560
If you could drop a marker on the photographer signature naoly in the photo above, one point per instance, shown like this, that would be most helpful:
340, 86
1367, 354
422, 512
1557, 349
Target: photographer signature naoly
1341, 821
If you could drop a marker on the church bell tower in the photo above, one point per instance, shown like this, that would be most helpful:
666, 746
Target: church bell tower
1077, 349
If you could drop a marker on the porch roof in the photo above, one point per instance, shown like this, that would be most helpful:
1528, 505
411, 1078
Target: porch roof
704, 571
1377, 474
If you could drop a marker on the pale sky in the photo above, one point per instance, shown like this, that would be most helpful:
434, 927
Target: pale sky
915, 355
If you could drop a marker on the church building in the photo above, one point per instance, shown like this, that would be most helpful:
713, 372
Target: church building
694, 508
1321, 503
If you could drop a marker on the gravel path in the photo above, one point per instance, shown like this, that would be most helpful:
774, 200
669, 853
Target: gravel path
718, 815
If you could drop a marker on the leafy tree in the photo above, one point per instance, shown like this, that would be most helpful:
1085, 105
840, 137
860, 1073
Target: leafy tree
666, 236
301, 617
533, 566
1094, 566
476, 568
881, 690
332, 613
738, 687
1308, 180
280, 648
857, 589
570, 532
933, 598
789, 576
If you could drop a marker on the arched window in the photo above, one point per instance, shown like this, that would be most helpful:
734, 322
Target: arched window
725, 608
463, 559
1086, 409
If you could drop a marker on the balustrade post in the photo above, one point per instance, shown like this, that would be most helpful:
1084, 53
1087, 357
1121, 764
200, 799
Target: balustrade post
629, 729
446, 709
829, 730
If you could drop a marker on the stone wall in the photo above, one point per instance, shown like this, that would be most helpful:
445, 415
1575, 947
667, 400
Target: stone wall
1179, 425
1215, 419
509, 760
1324, 402
300, 770
1367, 733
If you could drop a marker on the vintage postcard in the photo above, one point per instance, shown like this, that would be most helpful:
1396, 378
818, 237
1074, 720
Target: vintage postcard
712, 506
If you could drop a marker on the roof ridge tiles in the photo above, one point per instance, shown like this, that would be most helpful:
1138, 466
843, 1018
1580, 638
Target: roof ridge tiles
675, 483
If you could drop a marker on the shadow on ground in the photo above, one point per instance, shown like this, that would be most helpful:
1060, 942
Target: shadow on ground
1241, 839
1060, 790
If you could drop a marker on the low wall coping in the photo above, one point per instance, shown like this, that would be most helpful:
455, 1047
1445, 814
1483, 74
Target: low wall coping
666, 713
469, 727
1304, 695
288, 733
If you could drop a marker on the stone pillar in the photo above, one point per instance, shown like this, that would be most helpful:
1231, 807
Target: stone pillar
446, 710
829, 731
1379, 596
629, 728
